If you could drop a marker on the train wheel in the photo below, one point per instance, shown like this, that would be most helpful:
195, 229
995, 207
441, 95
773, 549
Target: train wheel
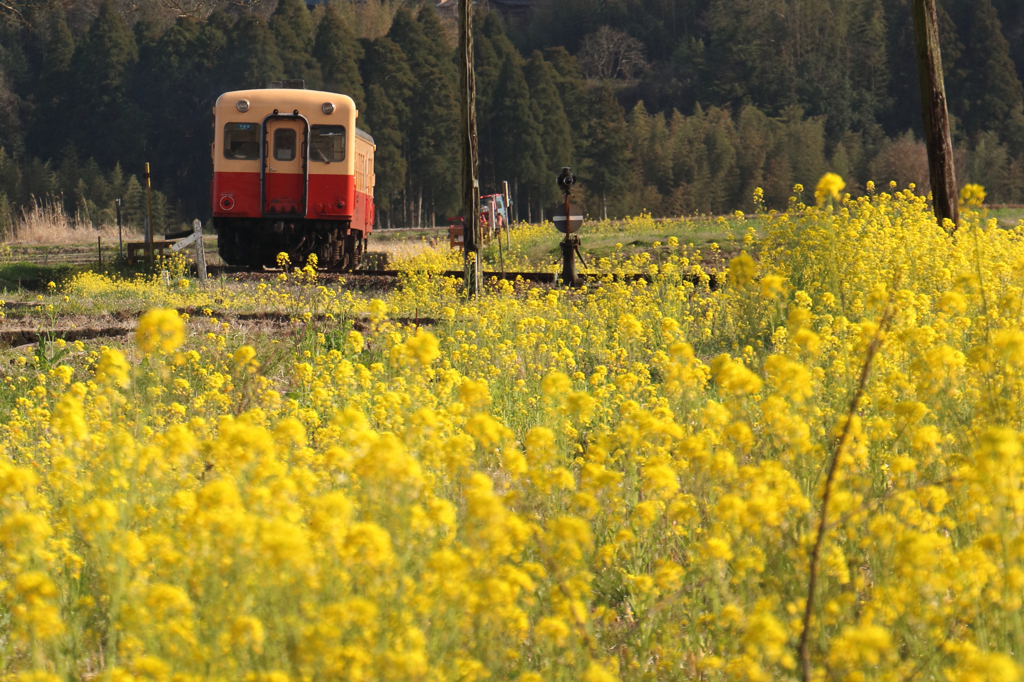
353, 250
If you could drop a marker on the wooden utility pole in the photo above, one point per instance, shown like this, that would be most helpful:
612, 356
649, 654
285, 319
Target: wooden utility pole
149, 216
471, 237
936, 115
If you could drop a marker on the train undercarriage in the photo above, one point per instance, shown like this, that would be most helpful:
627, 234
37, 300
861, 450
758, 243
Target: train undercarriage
256, 242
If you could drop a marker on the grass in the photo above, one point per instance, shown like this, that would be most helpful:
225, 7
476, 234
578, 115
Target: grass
625, 238
49, 225
17, 276
1007, 217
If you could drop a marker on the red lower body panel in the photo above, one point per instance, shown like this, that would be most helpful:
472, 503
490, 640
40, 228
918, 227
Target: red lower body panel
285, 195
236, 195
330, 197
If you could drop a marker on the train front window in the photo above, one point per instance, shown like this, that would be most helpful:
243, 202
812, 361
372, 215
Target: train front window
284, 144
327, 143
242, 141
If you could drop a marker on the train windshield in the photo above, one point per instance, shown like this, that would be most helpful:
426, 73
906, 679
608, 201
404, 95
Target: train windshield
327, 143
242, 141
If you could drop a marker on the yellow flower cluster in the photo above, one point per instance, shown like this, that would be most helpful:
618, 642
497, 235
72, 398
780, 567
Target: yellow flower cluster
621, 482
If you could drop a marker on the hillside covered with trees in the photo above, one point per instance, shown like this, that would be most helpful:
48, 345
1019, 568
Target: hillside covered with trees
673, 106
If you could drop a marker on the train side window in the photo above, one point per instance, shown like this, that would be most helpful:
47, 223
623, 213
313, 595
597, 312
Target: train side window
284, 144
242, 141
327, 143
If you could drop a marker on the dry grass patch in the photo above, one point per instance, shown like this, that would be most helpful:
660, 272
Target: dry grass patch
49, 225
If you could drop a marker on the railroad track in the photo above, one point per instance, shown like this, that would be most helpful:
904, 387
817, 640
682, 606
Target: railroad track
534, 277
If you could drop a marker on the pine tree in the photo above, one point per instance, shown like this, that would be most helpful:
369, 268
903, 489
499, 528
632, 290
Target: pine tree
161, 213
292, 27
10, 178
116, 182
435, 156
408, 35
904, 84
752, 50
38, 181
60, 46
55, 87
97, 190
953, 72
756, 136
437, 42
433, 159
1011, 14
339, 53
180, 77
819, 41
690, 165
133, 205
487, 68
68, 176
607, 164
492, 29
252, 56
869, 63
573, 91
650, 145
384, 64
989, 166
6, 218
102, 73
491, 48
556, 135
389, 165
993, 92
111, 49
519, 150
805, 138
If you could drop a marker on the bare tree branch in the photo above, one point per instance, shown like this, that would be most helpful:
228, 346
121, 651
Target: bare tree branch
197, 9
610, 53
12, 10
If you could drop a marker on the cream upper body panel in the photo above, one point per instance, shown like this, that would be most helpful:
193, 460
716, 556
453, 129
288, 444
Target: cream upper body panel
364, 174
262, 103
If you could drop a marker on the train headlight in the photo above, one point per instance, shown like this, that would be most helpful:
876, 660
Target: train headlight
243, 105
328, 108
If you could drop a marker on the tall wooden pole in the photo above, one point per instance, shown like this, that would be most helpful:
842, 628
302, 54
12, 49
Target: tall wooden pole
470, 180
936, 115
149, 217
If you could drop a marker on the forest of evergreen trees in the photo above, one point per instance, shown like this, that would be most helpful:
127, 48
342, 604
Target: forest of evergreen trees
673, 106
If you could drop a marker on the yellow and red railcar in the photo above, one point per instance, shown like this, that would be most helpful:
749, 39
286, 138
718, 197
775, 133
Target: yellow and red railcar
292, 174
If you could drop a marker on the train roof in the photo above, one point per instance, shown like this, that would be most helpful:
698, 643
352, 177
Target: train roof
366, 136
264, 99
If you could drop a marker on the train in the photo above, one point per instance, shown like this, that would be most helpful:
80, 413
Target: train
291, 174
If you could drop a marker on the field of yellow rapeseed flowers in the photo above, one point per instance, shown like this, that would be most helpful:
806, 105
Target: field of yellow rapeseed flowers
621, 482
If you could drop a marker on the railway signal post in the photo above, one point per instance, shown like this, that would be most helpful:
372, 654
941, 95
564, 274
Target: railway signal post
470, 179
568, 220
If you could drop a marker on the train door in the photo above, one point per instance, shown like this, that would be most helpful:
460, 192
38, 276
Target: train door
285, 166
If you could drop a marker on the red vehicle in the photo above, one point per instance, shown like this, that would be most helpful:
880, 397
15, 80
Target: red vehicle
497, 201
292, 174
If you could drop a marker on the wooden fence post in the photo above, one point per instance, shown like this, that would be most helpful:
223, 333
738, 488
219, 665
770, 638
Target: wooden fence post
197, 227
